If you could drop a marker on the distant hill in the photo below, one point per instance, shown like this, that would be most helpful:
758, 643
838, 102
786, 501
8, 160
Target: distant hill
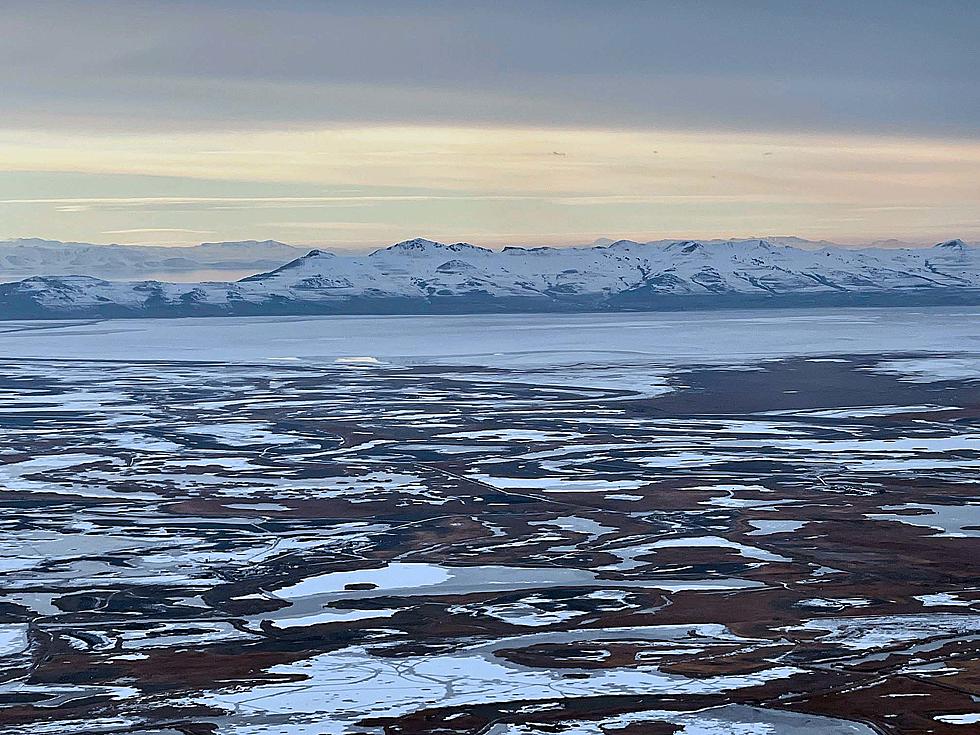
35, 257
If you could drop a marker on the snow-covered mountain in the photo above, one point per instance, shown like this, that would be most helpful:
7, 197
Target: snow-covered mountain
418, 276
36, 257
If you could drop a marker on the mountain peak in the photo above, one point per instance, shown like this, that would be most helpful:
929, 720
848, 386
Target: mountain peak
300, 263
421, 246
686, 246
417, 244
518, 250
956, 244
459, 247
316, 253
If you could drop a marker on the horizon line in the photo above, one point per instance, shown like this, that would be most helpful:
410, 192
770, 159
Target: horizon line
347, 246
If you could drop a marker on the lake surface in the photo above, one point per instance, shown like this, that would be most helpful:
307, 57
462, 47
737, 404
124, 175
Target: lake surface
714, 336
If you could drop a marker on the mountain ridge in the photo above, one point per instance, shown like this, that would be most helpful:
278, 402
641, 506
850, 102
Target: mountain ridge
425, 276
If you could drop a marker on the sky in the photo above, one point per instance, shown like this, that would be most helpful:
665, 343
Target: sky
354, 124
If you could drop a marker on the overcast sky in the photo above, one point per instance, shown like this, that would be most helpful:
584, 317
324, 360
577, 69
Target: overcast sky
361, 123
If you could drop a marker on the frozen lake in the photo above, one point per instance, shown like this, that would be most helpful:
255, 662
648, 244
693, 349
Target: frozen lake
507, 339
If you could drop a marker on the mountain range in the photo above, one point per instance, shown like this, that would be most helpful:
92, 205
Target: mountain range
422, 276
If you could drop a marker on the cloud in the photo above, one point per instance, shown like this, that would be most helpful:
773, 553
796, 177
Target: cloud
900, 67
546, 120
161, 230
473, 180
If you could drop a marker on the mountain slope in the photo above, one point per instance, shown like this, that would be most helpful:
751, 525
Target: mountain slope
420, 276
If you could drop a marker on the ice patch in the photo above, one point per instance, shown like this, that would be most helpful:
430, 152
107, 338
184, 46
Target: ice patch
394, 576
942, 599
957, 521
330, 616
970, 718
13, 638
884, 631
769, 528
